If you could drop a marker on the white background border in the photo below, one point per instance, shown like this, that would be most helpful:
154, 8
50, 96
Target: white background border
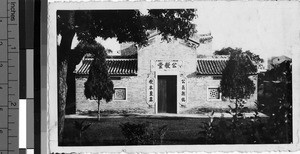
52, 84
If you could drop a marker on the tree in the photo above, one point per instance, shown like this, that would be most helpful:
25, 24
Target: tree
125, 25
99, 85
277, 103
227, 51
236, 84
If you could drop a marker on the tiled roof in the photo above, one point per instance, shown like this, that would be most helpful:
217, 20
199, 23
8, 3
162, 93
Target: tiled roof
116, 67
213, 65
210, 67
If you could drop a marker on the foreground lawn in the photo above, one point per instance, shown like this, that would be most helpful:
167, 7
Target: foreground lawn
180, 130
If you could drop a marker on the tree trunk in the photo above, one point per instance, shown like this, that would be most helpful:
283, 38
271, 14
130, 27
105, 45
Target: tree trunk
62, 93
235, 120
236, 109
64, 49
98, 115
80, 136
71, 92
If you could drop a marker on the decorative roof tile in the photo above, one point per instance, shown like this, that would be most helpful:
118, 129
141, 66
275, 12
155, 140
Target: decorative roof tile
213, 65
210, 67
116, 67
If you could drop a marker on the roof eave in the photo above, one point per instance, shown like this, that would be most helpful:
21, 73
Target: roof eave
119, 75
206, 74
112, 75
220, 74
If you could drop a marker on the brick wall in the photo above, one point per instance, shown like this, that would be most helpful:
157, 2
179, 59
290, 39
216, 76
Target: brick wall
197, 94
136, 85
136, 96
161, 50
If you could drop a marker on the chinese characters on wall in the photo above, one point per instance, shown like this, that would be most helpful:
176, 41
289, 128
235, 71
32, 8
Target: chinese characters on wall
150, 91
167, 65
183, 91
164, 65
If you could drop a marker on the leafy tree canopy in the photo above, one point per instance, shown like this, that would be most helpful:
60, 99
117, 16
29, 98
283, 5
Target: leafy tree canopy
281, 72
126, 25
98, 85
227, 51
235, 82
277, 101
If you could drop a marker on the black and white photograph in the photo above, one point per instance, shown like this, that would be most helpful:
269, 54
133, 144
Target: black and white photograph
196, 74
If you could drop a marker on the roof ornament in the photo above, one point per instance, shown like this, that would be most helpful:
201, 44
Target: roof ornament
205, 38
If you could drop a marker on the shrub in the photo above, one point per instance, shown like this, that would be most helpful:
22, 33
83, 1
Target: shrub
136, 134
81, 126
215, 131
143, 133
276, 101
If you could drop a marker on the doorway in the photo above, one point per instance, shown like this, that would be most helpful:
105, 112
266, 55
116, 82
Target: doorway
167, 94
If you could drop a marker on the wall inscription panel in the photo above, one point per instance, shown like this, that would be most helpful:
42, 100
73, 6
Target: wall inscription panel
166, 65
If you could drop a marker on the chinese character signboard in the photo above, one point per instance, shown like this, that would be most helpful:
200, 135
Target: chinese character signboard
183, 91
167, 65
150, 91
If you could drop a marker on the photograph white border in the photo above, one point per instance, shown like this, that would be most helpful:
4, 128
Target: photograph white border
52, 116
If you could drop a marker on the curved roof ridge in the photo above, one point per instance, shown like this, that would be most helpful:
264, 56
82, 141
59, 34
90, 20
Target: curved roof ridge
121, 59
112, 59
214, 57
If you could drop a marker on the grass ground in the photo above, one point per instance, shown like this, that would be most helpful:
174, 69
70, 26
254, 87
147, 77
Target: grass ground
181, 130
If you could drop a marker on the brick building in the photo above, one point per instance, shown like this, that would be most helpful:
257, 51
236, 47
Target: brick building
277, 60
163, 77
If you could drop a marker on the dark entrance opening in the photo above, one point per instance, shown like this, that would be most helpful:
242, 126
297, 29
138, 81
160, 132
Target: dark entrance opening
167, 94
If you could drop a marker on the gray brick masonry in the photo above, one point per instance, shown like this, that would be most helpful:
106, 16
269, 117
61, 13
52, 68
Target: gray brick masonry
136, 85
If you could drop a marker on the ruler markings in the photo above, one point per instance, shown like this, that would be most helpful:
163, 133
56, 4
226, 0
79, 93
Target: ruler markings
13, 46
3, 79
7, 88
8, 83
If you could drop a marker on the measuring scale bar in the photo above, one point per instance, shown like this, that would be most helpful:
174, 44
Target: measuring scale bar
9, 76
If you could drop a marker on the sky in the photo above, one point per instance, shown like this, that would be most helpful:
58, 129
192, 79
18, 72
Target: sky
265, 28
